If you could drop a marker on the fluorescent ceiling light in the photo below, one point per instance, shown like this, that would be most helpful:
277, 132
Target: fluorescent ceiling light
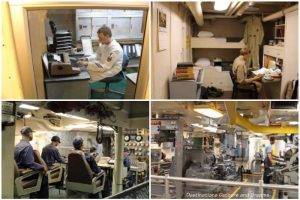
107, 128
210, 128
75, 126
71, 116
197, 125
28, 107
221, 4
209, 112
27, 116
293, 123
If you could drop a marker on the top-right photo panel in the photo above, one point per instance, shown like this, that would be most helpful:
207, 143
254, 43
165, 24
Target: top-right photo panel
224, 50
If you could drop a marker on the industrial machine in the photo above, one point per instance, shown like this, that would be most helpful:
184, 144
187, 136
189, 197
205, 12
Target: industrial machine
286, 172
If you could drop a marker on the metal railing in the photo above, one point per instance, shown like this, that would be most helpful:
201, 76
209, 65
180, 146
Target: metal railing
259, 185
140, 191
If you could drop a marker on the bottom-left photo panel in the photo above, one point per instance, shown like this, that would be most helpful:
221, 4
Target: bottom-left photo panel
75, 149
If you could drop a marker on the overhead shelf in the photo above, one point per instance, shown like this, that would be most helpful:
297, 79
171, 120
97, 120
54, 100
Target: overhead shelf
215, 43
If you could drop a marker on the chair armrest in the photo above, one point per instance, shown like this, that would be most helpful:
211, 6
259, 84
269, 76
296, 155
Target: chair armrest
28, 173
24, 171
98, 176
20, 185
254, 86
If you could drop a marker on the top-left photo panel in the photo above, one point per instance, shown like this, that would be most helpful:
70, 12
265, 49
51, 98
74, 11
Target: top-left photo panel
75, 50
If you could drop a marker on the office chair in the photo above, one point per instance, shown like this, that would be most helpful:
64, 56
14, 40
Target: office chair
117, 78
27, 181
249, 89
80, 176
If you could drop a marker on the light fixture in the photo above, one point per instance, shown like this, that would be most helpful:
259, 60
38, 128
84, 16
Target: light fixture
71, 116
94, 126
27, 115
197, 125
208, 110
28, 107
221, 5
210, 128
107, 128
293, 123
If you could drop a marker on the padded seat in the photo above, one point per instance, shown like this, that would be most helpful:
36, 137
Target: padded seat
54, 172
27, 181
80, 176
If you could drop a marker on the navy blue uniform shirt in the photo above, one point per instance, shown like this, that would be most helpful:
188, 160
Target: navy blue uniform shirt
24, 156
51, 155
92, 163
126, 162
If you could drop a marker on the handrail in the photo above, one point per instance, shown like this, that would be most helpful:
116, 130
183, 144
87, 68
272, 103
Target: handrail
260, 184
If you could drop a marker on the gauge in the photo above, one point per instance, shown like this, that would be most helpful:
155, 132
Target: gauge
127, 138
138, 138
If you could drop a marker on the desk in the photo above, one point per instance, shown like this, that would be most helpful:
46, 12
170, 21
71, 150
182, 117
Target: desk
131, 85
70, 87
186, 89
271, 88
132, 77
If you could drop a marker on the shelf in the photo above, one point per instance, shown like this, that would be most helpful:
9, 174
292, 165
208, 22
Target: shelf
279, 25
215, 43
279, 38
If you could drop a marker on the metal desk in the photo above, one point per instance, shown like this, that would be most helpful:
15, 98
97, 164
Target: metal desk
70, 87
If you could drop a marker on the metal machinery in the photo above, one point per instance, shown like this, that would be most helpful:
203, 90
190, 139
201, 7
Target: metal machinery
256, 163
286, 171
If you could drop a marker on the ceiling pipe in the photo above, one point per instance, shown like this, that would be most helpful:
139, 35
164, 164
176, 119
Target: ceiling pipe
242, 9
219, 17
196, 9
245, 123
239, 4
280, 13
236, 119
231, 7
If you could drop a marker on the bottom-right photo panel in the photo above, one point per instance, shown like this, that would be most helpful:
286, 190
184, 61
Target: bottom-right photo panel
224, 149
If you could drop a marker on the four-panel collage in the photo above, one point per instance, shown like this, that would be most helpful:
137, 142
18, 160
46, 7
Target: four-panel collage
149, 99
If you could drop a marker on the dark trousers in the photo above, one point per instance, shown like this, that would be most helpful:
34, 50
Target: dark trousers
267, 178
44, 192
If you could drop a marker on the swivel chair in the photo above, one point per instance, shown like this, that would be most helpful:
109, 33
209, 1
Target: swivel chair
117, 78
27, 181
80, 176
249, 89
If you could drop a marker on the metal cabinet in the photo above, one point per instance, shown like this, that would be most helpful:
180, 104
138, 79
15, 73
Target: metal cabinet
125, 24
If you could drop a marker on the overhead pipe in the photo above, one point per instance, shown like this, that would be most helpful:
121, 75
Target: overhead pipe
196, 9
239, 4
236, 119
245, 123
219, 17
231, 7
242, 9
280, 13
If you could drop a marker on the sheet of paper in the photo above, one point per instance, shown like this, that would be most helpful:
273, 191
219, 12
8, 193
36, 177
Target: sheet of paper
162, 41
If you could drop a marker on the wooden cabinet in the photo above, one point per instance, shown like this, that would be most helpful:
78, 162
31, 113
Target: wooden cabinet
274, 51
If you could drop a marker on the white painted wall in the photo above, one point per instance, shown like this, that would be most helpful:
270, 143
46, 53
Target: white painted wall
178, 50
290, 62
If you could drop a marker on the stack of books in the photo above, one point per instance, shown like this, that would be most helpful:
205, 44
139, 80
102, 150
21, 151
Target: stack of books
184, 71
